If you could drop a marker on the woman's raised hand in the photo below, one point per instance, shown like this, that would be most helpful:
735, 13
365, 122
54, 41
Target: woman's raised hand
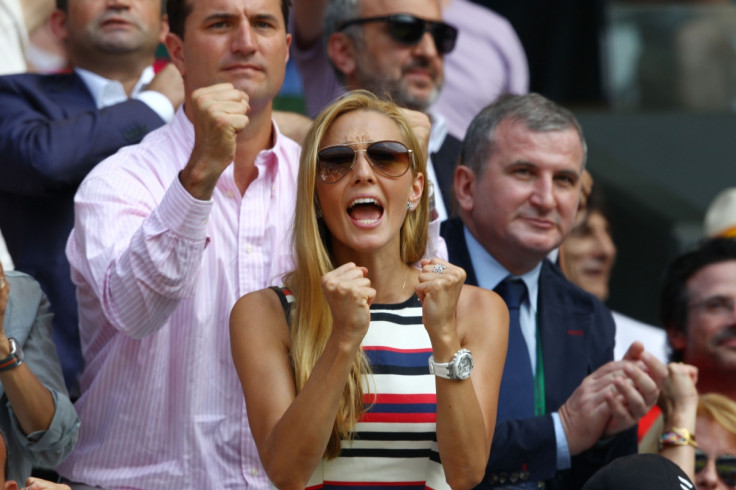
439, 288
349, 294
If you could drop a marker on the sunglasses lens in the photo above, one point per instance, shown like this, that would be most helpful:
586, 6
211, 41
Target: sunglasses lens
444, 36
725, 466
334, 162
389, 157
726, 469
700, 460
406, 29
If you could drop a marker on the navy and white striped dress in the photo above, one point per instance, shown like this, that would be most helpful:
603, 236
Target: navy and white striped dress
395, 443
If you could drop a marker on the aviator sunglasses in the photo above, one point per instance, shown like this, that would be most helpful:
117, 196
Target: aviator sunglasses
391, 158
725, 466
408, 29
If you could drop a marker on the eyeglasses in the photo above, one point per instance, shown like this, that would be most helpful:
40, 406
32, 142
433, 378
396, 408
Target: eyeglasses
715, 305
725, 466
391, 158
408, 29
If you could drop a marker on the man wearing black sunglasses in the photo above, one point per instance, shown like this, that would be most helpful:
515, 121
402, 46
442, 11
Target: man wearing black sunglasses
393, 48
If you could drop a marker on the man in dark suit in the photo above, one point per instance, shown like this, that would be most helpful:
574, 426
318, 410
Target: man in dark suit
565, 409
55, 128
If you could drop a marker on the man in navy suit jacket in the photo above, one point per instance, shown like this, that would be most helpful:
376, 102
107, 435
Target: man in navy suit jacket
517, 188
55, 128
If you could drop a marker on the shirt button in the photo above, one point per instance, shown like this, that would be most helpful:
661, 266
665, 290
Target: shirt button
248, 248
254, 471
230, 194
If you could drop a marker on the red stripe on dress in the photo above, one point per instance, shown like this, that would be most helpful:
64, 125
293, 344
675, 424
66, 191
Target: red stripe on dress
394, 398
399, 417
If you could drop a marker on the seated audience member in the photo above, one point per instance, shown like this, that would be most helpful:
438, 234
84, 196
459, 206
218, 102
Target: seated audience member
400, 58
697, 307
586, 258
640, 472
371, 339
35, 411
720, 218
32, 483
564, 410
700, 431
55, 128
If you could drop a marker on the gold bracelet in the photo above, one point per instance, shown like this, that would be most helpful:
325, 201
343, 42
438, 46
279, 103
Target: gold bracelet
677, 436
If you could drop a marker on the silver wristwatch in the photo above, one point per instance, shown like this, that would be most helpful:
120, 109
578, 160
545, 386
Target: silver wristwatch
459, 367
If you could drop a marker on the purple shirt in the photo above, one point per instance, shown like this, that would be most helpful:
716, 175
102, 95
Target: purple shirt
157, 273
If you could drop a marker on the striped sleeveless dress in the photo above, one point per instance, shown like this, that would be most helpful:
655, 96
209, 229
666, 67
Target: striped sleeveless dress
395, 444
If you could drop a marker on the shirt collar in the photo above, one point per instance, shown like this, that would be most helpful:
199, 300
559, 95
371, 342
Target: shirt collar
438, 133
489, 272
107, 92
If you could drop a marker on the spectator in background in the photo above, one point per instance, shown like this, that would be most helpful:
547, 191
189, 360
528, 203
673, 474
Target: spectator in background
564, 409
698, 310
55, 128
586, 258
35, 411
720, 217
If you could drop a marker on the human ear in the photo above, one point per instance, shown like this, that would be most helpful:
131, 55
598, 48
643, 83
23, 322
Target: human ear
175, 46
677, 338
341, 51
464, 187
416, 189
57, 24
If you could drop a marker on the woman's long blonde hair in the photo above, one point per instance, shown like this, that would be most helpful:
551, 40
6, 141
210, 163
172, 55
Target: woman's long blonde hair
720, 409
311, 320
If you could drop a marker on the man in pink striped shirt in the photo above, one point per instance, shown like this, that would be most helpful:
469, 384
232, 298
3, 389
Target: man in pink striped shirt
168, 234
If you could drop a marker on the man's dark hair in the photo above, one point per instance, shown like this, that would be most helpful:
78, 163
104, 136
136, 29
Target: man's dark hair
63, 5
674, 297
179, 10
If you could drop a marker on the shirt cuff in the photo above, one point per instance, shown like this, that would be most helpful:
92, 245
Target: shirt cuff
180, 212
563, 450
158, 102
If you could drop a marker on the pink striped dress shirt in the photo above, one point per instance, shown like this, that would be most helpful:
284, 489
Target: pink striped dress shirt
157, 273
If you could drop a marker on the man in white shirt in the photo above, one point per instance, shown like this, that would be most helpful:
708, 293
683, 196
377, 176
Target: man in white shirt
55, 128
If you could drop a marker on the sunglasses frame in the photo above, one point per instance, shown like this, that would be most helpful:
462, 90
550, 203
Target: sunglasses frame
434, 27
699, 454
410, 152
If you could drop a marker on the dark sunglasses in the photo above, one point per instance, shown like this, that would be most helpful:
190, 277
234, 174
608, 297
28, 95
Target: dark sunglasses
408, 29
725, 466
391, 158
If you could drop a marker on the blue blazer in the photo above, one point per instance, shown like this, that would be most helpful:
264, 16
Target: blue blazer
577, 337
51, 136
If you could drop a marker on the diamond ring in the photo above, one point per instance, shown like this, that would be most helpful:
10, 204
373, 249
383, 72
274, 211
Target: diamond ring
438, 268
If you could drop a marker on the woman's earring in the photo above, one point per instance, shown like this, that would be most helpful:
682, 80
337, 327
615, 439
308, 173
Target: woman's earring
318, 212
410, 206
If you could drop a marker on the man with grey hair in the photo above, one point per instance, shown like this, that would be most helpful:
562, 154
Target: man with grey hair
393, 48
517, 187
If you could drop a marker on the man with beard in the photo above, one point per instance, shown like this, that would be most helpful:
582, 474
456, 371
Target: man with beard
697, 305
55, 128
393, 48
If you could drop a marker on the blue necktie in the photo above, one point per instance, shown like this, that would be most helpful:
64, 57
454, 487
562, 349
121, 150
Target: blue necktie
516, 397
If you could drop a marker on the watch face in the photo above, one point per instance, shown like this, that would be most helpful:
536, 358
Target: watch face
464, 365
